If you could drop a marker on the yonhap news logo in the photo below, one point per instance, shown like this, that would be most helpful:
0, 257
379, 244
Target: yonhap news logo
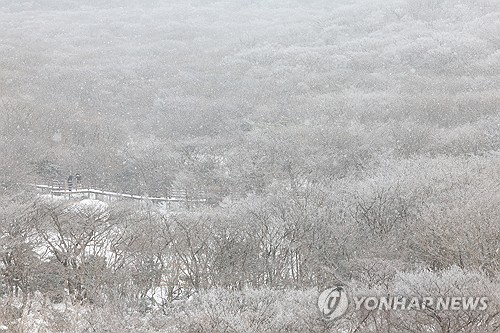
456, 303
334, 302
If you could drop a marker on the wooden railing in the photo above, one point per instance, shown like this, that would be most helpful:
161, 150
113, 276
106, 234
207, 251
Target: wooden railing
173, 196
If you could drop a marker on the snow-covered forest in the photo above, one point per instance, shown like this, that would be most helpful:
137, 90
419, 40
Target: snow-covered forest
332, 142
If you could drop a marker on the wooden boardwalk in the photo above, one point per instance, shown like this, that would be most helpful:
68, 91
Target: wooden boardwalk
175, 198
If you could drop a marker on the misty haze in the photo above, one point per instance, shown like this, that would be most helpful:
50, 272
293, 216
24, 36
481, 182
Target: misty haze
250, 166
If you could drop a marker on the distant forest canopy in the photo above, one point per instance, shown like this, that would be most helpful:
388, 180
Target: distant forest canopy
236, 97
